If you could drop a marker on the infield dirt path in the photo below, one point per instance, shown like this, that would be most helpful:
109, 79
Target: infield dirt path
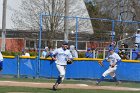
74, 86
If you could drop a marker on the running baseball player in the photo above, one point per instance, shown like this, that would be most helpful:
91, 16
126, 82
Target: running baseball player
114, 60
61, 56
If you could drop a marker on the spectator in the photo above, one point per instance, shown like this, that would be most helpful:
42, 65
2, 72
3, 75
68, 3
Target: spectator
45, 53
122, 51
89, 53
25, 53
73, 51
112, 45
137, 38
138, 56
134, 52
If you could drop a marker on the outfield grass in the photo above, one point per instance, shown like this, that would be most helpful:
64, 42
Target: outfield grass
47, 90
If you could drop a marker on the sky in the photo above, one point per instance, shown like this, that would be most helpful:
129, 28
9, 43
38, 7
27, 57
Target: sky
11, 5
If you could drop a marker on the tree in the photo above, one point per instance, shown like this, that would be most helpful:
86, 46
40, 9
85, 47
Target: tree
119, 10
27, 17
101, 28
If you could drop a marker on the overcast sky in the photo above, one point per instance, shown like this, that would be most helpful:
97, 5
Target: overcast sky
11, 5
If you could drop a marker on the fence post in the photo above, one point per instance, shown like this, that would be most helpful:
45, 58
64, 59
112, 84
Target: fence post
113, 30
97, 54
18, 66
76, 35
38, 67
93, 53
104, 53
131, 54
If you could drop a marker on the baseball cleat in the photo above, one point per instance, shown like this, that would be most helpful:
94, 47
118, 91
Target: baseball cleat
97, 83
54, 87
118, 82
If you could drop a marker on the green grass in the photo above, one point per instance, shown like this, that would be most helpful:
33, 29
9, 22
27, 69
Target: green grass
69, 81
47, 90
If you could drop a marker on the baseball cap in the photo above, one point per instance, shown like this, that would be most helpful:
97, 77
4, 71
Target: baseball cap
111, 49
136, 45
122, 44
46, 47
138, 29
72, 47
65, 43
88, 49
113, 43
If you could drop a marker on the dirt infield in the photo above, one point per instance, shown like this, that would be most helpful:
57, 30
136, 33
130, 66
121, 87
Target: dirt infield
74, 86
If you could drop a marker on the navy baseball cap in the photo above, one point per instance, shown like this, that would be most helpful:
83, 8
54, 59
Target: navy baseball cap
111, 49
65, 43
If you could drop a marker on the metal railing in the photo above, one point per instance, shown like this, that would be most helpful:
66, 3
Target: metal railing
104, 52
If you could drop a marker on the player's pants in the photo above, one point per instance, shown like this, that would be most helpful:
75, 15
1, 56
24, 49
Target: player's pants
62, 70
111, 71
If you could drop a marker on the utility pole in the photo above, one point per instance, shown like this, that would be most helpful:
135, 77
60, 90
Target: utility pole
66, 32
4, 25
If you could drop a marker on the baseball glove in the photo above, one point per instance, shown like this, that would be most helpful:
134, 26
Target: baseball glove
69, 61
100, 63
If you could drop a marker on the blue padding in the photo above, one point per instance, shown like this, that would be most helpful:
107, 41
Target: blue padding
48, 69
82, 69
129, 71
10, 66
134, 54
28, 67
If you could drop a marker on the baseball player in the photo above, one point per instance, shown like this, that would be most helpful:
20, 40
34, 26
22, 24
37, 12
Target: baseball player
1, 61
114, 59
61, 56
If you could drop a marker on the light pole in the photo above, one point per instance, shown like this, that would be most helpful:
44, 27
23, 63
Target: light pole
4, 25
66, 32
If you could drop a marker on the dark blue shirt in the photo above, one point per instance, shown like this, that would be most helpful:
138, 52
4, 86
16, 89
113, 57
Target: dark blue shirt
89, 54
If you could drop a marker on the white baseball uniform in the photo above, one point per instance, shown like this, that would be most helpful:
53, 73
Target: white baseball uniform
1, 57
61, 60
114, 58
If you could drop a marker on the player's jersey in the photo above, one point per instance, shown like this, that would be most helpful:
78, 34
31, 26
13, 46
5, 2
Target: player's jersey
114, 58
62, 56
1, 57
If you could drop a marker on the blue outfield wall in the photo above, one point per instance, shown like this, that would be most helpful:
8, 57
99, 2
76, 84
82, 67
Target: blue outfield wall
84, 68
10, 66
28, 67
48, 69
